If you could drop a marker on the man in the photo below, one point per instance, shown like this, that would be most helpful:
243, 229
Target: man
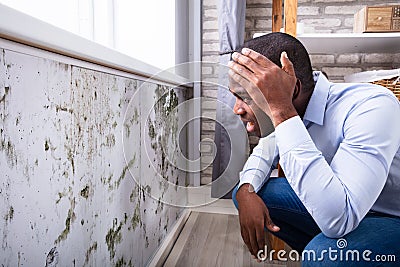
338, 145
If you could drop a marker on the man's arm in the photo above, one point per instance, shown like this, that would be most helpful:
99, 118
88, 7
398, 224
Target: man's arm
260, 164
253, 214
339, 195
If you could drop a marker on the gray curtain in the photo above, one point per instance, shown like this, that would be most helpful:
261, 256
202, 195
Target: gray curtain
230, 135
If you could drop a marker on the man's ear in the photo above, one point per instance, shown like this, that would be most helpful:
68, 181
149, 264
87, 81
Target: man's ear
297, 89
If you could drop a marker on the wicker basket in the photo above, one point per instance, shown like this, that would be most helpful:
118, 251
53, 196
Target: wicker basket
386, 78
391, 84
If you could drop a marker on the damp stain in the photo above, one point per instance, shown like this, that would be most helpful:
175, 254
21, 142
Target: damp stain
120, 262
64, 109
89, 252
136, 218
10, 214
114, 237
124, 170
68, 221
109, 140
8, 147
6, 91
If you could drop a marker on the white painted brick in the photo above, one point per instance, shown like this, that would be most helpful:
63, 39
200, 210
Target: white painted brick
349, 22
210, 25
209, 114
213, 35
211, 81
206, 146
249, 23
252, 2
259, 12
349, 30
378, 58
342, 9
210, 3
327, 1
209, 104
208, 125
348, 59
206, 160
210, 13
205, 177
376, 68
211, 47
263, 23
213, 58
322, 59
326, 23
206, 70
307, 10
209, 93
337, 71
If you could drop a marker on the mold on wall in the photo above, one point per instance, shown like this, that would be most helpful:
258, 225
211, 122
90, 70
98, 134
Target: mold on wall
83, 180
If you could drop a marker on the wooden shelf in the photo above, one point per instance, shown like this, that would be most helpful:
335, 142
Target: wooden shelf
350, 43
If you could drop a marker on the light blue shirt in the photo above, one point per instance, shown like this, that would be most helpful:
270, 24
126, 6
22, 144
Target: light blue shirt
342, 160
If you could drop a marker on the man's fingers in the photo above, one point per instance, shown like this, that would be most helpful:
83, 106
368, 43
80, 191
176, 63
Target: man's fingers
287, 65
253, 242
260, 238
245, 237
257, 57
270, 224
240, 69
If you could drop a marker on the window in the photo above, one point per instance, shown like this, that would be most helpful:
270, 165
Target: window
144, 30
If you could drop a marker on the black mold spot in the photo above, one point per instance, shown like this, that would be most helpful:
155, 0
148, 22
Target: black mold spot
121, 262
89, 252
52, 258
46, 145
10, 214
113, 237
85, 192
68, 221
136, 218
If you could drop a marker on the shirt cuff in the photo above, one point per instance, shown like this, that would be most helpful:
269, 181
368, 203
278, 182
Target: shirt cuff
290, 134
251, 177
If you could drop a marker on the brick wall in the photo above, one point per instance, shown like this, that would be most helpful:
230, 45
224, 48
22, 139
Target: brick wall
318, 16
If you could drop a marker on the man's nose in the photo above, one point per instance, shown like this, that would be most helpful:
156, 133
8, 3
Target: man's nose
238, 107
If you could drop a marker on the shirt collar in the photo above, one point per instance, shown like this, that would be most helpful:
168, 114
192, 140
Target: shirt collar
315, 111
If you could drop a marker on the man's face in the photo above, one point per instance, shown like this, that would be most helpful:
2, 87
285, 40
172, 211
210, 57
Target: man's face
257, 122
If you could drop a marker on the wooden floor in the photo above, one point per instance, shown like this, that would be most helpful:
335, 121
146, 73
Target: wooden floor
210, 239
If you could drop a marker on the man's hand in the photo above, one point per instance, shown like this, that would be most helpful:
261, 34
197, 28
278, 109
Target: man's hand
253, 216
271, 87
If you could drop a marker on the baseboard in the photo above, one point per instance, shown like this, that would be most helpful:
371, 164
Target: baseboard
165, 248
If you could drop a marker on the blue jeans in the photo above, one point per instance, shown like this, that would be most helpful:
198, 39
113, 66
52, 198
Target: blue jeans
377, 233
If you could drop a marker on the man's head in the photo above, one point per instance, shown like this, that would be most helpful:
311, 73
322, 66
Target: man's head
271, 46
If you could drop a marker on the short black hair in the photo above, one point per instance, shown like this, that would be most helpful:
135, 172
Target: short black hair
273, 44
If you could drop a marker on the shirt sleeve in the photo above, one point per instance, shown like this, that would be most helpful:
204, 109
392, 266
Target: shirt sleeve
260, 164
339, 195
